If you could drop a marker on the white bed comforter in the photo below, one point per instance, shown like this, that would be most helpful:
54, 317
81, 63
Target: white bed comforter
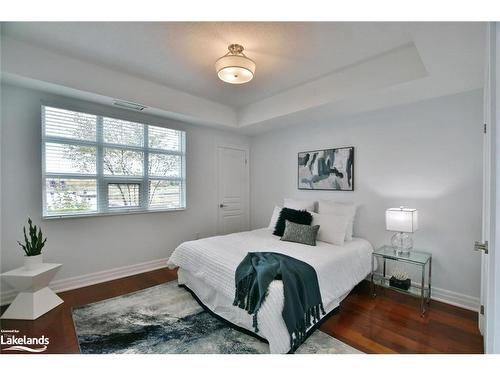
212, 262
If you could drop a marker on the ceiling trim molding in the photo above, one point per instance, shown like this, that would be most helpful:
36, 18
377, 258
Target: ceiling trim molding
441, 59
399, 65
20, 59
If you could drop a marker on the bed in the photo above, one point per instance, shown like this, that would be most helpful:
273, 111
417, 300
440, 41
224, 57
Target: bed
207, 267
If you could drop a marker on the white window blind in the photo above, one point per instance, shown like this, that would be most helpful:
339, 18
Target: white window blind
95, 165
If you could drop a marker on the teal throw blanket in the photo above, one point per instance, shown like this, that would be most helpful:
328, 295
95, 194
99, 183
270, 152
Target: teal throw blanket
303, 303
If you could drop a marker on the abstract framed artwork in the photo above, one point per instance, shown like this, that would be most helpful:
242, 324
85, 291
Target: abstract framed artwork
330, 169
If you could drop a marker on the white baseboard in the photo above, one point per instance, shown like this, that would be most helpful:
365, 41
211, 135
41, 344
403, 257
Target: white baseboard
455, 299
451, 298
70, 283
447, 296
6, 297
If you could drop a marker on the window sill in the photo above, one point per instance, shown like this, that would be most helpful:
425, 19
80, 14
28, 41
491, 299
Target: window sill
111, 213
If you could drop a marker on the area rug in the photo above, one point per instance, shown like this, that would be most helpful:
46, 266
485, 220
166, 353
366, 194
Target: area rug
167, 319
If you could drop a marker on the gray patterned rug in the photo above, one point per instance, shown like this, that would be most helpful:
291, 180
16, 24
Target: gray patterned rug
167, 319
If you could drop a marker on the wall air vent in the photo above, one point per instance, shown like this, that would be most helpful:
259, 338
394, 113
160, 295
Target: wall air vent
129, 105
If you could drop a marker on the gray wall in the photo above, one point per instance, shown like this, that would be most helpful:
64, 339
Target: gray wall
426, 155
88, 245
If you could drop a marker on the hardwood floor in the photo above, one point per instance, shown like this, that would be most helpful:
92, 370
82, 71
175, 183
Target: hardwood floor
389, 323
57, 324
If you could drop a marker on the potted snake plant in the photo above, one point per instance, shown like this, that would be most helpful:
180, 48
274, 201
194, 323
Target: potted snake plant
32, 246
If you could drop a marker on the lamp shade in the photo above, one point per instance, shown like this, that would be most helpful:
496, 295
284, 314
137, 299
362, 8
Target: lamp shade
401, 219
235, 67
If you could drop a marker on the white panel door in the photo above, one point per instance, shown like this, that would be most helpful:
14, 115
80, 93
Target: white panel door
486, 184
487, 322
490, 290
233, 181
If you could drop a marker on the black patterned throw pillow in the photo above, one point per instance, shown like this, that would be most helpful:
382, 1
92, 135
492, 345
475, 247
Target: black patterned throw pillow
300, 233
295, 216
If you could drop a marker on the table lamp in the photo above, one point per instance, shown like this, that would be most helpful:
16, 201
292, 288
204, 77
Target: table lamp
402, 221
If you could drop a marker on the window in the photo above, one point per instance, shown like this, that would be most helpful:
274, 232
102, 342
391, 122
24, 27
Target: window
101, 165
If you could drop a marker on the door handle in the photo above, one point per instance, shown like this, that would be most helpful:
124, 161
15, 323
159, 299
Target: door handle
222, 205
480, 246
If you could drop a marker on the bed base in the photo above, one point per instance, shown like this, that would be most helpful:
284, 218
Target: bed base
253, 334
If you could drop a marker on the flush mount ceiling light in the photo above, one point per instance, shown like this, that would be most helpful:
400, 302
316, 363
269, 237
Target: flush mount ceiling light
234, 67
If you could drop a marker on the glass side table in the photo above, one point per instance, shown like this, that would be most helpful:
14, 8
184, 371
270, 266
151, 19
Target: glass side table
418, 258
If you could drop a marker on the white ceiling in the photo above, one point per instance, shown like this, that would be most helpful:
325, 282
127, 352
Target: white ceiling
182, 55
292, 58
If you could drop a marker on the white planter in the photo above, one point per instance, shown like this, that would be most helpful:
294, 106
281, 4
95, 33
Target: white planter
32, 262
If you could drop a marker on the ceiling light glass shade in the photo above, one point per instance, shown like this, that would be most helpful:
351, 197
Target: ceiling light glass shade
235, 67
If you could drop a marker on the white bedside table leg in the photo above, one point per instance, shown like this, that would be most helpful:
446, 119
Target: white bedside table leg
34, 298
29, 306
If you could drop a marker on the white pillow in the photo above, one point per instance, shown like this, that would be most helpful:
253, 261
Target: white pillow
332, 228
341, 209
298, 204
275, 216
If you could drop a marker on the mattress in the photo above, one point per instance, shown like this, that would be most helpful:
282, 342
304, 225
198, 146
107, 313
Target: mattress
208, 266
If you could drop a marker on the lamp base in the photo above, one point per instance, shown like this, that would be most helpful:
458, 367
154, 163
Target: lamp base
402, 243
